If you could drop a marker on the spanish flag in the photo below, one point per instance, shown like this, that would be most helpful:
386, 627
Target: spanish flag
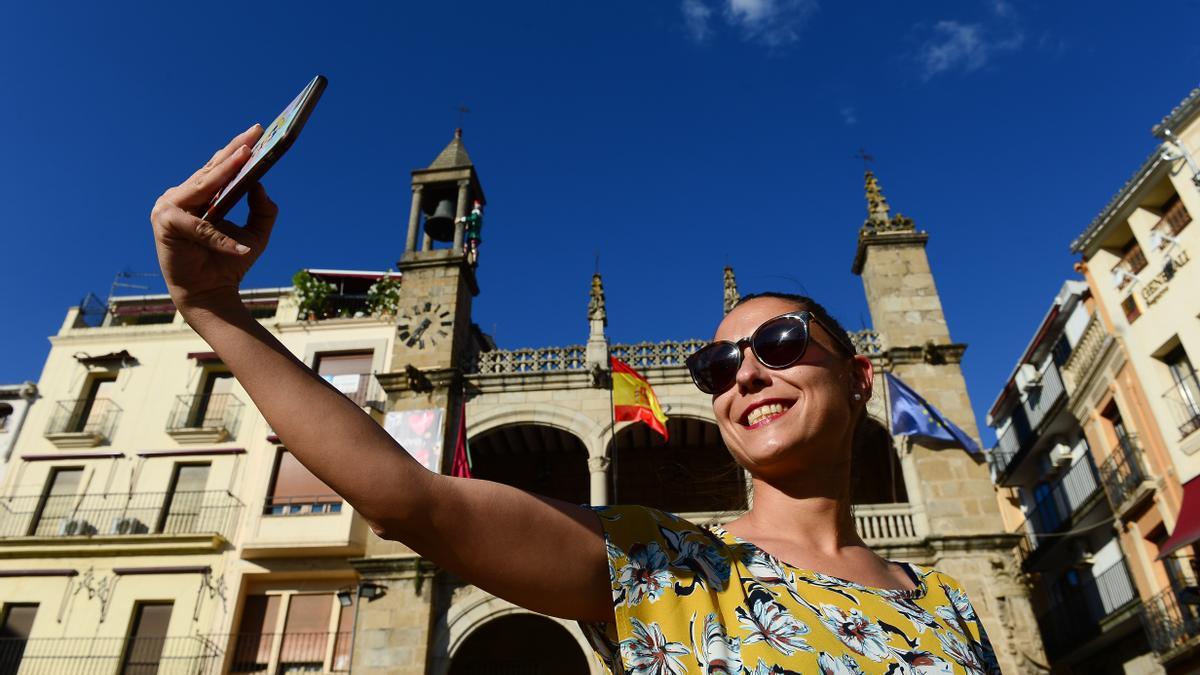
634, 400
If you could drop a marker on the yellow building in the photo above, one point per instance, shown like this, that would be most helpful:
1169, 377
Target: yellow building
149, 513
1138, 402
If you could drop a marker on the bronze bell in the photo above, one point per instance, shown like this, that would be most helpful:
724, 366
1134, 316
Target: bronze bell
439, 225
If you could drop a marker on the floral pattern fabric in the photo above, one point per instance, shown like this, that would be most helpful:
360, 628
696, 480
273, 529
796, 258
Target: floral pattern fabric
692, 601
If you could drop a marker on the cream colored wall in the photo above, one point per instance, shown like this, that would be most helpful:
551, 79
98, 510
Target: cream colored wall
1172, 316
146, 393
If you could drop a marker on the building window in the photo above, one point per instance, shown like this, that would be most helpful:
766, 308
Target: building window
216, 396
1061, 351
349, 373
1175, 217
296, 491
6, 411
92, 411
55, 514
310, 640
184, 511
1130, 307
1184, 393
147, 637
16, 625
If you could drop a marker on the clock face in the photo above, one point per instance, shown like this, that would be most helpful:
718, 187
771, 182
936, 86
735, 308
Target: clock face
424, 325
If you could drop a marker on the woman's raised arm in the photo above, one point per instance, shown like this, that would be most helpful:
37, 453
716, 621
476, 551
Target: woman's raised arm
540, 553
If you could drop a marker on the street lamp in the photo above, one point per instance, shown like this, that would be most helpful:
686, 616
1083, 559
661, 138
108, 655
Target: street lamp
364, 589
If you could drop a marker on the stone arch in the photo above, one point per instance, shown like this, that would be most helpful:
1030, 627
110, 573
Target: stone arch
483, 417
691, 472
539, 458
472, 609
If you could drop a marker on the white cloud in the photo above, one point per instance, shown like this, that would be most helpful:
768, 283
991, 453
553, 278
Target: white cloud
772, 23
695, 19
849, 115
965, 46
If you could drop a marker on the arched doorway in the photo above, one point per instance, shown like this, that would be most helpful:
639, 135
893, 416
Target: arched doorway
519, 644
534, 457
692, 472
876, 474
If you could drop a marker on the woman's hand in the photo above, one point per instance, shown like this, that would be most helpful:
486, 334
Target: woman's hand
202, 260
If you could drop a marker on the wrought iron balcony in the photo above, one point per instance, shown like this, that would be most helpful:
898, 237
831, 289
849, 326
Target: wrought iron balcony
1068, 496
100, 656
115, 515
1122, 473
362, 388
82, 422
1183, 398
206, 418
1172, 617
1076, 614
288, 652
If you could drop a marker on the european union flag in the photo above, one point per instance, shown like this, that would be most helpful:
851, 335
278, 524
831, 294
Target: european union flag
914, 416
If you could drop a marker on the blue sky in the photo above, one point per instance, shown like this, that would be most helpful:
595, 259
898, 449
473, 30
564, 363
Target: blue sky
668, 138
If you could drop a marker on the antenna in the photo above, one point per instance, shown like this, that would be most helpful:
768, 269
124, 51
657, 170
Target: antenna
866, 159
118, 283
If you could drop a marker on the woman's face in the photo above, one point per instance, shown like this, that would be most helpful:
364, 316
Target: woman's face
809, 408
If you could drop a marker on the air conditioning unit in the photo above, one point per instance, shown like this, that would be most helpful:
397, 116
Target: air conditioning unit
1028, 376
1060, 456
75, 527
128, 525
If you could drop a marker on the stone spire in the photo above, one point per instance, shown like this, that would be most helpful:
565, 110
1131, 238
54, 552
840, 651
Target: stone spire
596, 311
596, 352
879, 214
881, 226
454, 155
731, 290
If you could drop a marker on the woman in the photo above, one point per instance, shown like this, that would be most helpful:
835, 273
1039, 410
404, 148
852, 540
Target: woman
656, 594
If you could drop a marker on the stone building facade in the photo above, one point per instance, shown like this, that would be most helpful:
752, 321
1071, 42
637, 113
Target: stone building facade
292, 578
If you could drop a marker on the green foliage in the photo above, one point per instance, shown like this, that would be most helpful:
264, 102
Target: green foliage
312, 294
384, 296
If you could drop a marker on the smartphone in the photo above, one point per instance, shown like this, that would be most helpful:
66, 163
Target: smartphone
275, 141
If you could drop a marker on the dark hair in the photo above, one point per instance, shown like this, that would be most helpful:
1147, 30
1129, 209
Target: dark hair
871, 437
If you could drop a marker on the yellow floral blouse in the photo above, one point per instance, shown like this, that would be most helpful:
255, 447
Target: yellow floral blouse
692, 601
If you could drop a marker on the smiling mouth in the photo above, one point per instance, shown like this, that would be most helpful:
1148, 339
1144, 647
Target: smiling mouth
765, 414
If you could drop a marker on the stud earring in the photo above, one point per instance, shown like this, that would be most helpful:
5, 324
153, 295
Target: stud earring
857, 397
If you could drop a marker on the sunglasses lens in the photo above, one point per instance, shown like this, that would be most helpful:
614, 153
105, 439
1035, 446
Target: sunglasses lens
714, 367
781, 342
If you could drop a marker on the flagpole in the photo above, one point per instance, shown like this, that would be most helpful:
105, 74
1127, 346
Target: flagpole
612, 413
887, 414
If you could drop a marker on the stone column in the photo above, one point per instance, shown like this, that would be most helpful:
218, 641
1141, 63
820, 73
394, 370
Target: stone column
460, 211
427, 243
414, 220
598, 468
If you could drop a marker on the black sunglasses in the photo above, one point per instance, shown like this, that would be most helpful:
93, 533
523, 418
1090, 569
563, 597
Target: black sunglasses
778, 343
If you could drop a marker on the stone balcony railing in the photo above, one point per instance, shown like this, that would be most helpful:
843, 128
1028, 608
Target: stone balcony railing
877, 524
640, 355
1082, 360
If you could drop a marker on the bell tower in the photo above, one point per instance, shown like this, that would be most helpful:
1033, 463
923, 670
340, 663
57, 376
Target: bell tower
434, 338
966, 536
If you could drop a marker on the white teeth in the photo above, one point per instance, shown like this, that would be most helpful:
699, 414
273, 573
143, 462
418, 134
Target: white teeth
762, 411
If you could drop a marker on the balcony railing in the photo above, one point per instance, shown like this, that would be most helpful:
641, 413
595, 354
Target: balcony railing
1054, 511
194, 655
146, 513
304, 505
1132, 262
96, 418
1174, 219
1041, 399
218, 413
362, 388
289, 652
1122, 472
1075, 616
1184, 400
880, 524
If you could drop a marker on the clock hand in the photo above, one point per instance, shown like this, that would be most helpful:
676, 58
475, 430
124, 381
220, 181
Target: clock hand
418, 332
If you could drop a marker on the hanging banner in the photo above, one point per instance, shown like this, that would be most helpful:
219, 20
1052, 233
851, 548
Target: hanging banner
420, 433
